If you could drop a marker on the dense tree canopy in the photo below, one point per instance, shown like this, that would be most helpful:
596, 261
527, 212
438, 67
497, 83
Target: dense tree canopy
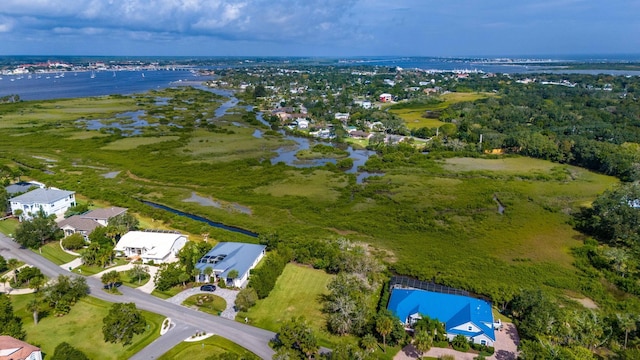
35, 232
10, 324
122, 323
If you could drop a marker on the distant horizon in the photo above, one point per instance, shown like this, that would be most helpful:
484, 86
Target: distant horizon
568, 57
321, 28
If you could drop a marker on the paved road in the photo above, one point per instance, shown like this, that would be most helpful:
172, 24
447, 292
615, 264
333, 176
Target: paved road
252, 338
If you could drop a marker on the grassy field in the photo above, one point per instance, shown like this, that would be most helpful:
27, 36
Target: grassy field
297, 293
134, 142
200, 350
413, 115
82, 328
52, 252
88, 270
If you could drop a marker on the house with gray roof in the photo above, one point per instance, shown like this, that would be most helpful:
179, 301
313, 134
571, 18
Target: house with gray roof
23, 187
89, 221
228, 256
49, 200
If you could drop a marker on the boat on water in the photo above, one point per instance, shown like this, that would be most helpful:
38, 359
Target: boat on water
93, 75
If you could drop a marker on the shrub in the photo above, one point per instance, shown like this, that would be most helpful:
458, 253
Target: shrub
64, 351
73, 242
460, 343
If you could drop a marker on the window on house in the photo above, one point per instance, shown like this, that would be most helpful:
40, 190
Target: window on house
483, 342
470, 328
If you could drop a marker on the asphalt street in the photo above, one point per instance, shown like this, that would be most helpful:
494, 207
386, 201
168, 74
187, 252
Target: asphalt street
187, 321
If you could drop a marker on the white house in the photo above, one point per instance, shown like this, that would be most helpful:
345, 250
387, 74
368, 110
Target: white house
363, 103
14, 349
303, 123
156, 246
341, 116
228, 256
51, 201
386, 97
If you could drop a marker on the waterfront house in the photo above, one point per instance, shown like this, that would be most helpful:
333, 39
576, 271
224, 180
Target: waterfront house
228, 256
50, 200
151, 245
461, 315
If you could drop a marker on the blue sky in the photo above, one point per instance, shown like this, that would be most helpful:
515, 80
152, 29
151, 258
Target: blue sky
319, 27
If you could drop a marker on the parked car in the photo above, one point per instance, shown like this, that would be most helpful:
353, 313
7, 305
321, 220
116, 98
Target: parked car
208, 287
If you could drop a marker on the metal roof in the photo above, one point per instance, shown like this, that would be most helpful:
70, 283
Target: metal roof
452, 310
42, 196
227, 256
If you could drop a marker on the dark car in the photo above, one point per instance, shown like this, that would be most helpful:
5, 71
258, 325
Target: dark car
208, 287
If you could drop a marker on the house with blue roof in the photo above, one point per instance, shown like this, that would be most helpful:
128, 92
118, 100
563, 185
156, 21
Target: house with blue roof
228, 256
461, 315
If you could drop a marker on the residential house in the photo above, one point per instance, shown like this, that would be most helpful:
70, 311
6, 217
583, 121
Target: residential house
365, 104
23, 187
50, 200
386, 97
344, 117
228, 256
461, 315
86, 223
14, 349
151, 245
303, 124
358, 134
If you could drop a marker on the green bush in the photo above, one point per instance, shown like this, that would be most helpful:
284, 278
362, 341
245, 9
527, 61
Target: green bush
460, 343
73, 242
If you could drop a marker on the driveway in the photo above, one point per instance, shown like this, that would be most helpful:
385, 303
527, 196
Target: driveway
506, 348
228, 295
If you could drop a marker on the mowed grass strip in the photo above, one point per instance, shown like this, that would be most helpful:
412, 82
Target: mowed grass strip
298, 292
54, 253
82, 328
200, 350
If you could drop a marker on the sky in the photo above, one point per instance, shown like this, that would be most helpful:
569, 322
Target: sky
338, 28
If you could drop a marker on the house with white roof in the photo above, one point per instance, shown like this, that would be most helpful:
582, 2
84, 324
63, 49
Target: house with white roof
50, 200
228, 256
152, 245
14, 349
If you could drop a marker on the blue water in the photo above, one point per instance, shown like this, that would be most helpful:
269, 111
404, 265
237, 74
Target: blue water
201, 219
80, 84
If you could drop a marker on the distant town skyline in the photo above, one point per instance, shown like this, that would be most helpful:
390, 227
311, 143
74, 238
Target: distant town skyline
319, 27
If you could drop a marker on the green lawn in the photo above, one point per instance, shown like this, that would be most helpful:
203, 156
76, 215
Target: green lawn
82, 328
200, 350
93, 269
171, 292
209, 303
8, 226
52, 252
297, 292
133, 282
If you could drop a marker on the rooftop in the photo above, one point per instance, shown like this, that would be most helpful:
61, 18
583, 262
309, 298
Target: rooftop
452, 310
157, 244
42, 196
14, 349
227, 256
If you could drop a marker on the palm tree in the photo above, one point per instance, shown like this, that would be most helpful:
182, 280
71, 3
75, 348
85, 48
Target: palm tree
628, 323
369, 343
138, 271
13, 264
208, 271
422, 341
384, 325
110, 278
35, 306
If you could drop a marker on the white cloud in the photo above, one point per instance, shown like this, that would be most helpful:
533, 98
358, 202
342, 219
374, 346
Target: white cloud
274, 20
